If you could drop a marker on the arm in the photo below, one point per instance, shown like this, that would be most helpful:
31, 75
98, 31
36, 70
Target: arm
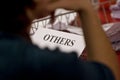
98, 46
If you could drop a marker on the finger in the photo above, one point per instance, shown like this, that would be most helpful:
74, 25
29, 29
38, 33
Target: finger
52, 19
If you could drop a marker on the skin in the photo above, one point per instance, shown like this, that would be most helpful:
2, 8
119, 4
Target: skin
97, 44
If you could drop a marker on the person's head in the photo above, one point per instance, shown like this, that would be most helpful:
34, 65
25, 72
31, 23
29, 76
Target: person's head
17, 15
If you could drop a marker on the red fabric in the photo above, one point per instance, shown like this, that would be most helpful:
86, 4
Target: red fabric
107, 4
105, 17
117, 20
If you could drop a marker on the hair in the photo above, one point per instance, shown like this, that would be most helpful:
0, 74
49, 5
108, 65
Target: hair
13, 16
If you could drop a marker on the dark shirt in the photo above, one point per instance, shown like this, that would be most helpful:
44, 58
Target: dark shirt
21, 60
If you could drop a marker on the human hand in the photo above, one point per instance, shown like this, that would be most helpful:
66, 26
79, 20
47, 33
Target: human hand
75, 5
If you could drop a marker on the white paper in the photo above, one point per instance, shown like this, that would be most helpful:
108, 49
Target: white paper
77, 46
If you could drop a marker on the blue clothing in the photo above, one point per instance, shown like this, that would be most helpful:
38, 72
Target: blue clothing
21, 60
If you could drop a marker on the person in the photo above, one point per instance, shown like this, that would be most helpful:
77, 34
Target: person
20, 59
